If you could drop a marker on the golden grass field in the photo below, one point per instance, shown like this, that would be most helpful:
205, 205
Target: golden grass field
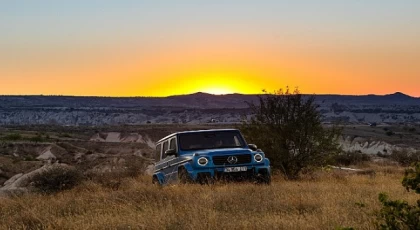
324, 200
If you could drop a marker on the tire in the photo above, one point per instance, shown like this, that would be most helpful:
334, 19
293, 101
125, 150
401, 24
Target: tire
264, 178
183, 176
205, 179
155, 181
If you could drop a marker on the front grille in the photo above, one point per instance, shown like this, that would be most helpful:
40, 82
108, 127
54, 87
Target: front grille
223, 160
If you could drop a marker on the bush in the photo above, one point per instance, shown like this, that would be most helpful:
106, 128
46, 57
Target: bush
404, 157
56, 179
66, 135
383, 155
37, 138
411, 180
12, 137
29, 158
351, 158
389, 133
398, 214
287, 127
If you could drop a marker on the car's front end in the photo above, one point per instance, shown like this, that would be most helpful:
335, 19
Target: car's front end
230, 164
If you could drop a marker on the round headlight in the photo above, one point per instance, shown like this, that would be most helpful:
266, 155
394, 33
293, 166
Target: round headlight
258, 157
202, 161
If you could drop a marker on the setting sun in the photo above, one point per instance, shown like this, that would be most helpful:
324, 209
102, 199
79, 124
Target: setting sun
217, 90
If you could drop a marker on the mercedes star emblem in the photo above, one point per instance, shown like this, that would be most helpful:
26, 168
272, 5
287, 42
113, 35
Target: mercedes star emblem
232, 159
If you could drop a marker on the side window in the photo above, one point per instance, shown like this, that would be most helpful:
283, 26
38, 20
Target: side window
172, 144
165, 147
157, 153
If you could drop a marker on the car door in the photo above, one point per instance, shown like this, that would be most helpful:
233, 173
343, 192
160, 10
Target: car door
170, 169
158, 153
164, 161
173, 161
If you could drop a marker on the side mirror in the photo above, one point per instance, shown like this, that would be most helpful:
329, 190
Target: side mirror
170, 152
253, 147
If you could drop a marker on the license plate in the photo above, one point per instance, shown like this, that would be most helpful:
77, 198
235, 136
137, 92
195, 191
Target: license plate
236, 169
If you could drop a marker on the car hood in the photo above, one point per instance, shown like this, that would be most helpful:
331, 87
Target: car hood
225, 151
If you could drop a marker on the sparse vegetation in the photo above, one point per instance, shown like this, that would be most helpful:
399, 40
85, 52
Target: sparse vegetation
29, 158
37, 138
389, 133
405, 157
12, 137
411, 180
329, 201
65, 135
123, 199
399, 214
57, 178
287, 126
351, 158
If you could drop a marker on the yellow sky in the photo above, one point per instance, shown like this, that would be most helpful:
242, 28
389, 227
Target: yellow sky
218, 67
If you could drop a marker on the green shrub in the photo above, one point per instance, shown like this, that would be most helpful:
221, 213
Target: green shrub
398, 214
12, 137
287, 127
29, 158
37, 138
411, 178
56, 178
389, 133
67, 135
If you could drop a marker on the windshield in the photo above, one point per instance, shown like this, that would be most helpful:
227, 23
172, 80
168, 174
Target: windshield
211, 140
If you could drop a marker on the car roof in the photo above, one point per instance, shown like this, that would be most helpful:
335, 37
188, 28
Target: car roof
195, 131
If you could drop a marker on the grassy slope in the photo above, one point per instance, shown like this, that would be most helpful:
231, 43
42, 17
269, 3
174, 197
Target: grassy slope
325, 201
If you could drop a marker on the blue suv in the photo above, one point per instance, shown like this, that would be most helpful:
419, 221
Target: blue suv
204, 155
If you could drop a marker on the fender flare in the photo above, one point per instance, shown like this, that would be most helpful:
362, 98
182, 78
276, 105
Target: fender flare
160, 176
266, 162
187, 166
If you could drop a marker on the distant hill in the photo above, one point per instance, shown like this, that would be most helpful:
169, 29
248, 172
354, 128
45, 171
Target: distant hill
196, 100
194, 108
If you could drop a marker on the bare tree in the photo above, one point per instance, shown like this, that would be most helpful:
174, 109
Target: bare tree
287, 126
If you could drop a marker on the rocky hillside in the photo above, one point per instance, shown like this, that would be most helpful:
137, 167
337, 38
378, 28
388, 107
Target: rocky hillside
193, 109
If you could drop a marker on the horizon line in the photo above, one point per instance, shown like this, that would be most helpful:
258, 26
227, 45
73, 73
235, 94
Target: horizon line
188, 94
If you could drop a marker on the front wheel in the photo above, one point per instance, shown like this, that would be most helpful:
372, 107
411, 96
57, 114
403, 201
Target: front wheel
183, 176
155, 181
263, 178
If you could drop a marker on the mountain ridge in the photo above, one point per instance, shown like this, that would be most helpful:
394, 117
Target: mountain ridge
397, 93
194, 109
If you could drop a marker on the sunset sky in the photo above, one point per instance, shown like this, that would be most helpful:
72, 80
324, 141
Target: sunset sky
160, 48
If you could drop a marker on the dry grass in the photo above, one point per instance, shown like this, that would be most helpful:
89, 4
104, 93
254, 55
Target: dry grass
325, 201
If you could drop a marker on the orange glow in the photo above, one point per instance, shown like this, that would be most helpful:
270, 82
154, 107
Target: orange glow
217, 68
214, 82
143, 48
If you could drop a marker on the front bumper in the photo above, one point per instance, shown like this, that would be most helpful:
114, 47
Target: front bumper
218, 173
